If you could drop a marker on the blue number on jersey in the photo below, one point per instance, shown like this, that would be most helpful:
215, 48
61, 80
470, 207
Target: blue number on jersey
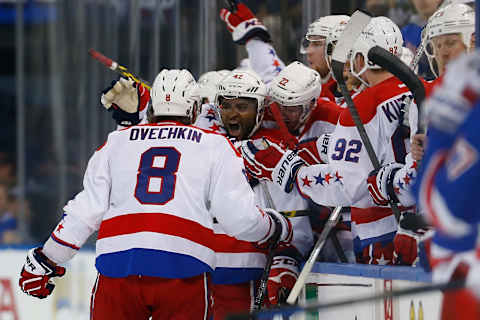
351, 155
167, 174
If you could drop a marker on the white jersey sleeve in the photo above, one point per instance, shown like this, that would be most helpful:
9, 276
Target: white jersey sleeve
264, 59
232, 201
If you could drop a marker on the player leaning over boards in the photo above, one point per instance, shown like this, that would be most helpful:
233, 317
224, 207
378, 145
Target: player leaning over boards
342, 181
156, 245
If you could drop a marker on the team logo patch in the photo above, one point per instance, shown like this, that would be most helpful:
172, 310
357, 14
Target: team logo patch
461, 159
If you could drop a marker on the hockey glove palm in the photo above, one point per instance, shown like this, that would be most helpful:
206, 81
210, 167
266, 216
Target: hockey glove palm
244, 25
35, 278
267, 160
127, 99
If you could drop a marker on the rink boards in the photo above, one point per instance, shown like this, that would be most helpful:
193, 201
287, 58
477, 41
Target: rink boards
328, 282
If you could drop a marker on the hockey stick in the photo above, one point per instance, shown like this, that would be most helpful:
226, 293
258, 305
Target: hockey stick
290, 310
113, 65
262, 287
307, 268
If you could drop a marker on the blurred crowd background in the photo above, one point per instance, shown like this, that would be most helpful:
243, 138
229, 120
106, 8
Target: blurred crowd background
50, 114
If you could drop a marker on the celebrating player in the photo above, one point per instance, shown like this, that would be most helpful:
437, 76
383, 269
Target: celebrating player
342, 182
155, 232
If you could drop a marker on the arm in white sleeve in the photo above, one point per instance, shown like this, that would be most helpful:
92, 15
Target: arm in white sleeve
84, 213
264, 59
332, 185
233, 201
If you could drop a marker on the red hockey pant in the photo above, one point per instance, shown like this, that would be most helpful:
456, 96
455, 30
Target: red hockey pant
139, 297
232, 298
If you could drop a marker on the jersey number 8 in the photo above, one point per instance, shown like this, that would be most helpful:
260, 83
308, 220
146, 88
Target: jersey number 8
166, 173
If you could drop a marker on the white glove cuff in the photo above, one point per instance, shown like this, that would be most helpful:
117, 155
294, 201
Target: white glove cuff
283, 171
246, 26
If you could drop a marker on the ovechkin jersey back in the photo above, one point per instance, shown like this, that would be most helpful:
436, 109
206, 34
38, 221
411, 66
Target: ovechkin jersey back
152, 192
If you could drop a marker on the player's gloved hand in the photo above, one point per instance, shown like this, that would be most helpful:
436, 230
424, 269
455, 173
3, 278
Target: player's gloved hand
407, 239
380, 184
280, 234
37, 273
315, 150
266, 160
127, 99
282, 278
243, 25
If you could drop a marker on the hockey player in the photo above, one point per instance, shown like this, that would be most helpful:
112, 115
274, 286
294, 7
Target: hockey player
447, 184
316, 52
342, 181
449, 32
238, 113
155, 233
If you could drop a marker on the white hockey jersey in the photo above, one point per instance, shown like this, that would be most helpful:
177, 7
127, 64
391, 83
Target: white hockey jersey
342, 182
241, 261
152, 192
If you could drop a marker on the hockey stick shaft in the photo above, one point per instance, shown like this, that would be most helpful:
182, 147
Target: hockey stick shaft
267, 314
262, 287
307, 268
114, 66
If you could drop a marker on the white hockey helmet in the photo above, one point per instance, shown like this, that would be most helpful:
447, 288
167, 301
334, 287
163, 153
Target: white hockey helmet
244, 84
296, 85
456, 18
380, 31
321, 27
335, 33
174, 93
207, 84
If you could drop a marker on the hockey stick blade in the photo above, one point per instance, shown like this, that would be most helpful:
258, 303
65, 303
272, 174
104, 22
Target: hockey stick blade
395, 66
354, 28
290, 310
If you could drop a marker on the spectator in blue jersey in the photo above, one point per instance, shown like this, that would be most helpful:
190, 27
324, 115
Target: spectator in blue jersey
412, 32
8, 222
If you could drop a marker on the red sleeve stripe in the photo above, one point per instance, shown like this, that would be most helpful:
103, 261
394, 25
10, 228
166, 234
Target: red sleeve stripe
63, 243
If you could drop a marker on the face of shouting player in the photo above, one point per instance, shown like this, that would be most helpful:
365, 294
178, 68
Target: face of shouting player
316, 55
238, 116
447, 47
